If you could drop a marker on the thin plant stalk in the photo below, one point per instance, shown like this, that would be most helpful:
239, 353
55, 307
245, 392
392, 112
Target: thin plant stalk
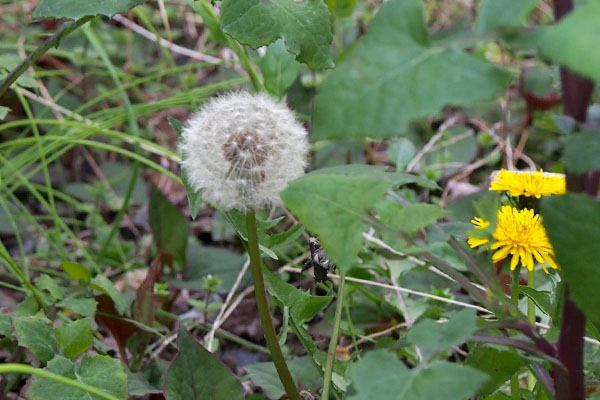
531, 318
515, 387
264, 312
334, 338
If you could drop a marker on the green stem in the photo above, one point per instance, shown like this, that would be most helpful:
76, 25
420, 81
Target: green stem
531, 318
17, 271
334, 338
263, 310
515, 387
26, 369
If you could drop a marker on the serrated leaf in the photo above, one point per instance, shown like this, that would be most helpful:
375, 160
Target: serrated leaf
432, 337
372, 379
573, 225
394, 74
103, 284
77, 271
80, 8
45, 282
169, 227
102, 372
499, 365
279, 69
334, 207
494, 14
303, 306
304, 27
35, 334
185, 381
74, 338
570, 40
581, 152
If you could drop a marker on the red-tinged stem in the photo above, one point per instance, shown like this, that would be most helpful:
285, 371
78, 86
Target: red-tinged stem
576, 95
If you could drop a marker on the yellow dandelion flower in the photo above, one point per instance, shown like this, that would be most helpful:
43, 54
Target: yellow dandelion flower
479, 223
526, 183
521, 233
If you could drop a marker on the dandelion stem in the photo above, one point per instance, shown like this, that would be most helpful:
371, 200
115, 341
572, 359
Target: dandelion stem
263, 310
334, 338
531, 317
515, 387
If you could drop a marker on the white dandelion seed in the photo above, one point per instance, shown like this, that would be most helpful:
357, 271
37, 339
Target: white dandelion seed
242, 149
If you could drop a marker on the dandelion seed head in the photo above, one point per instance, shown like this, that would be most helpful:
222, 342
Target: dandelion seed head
242, 149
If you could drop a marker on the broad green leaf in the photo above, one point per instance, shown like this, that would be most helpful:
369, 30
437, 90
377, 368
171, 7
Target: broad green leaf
80, 8
413, 217
103, 284
279, 69
151, 379
169, 227
341, 8
432, 337
302, 369
541, 299
394, 74
284, 237
194, 197
401, 152
335, 207
74, 338
36, 334
304, 27
45, 282
186, 381
570, 40
494, 14
5, 329
102, 372
380, 375
581, 152
77, 271
573, 225
303, 306
83, 307
3, 112
216, 261
500, 365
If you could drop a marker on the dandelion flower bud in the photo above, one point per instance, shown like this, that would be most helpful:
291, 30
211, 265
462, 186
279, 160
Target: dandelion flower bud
242, 149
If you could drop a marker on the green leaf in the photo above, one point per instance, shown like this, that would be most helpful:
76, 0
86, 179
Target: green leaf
380, 375
80, 8
3, 112
279, 69
103, 284
573, 225
216, 261
304, 27
581, 152
83, 307
284, 237
401, 152
35, 334
303, 306
185, 381
5, 329
394, 74
413, 217
302, 369
541, 299
499, 365
432, 337
74, 338
169, 227
77, 271
495, 14
9, 62
570, 40
45, 282
341, 8
335, 207
102, 372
